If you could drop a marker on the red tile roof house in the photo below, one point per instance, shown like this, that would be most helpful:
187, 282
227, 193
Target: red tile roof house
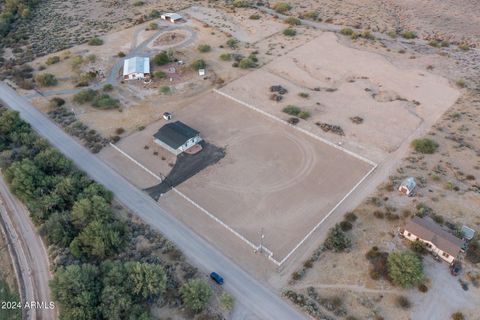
436, 239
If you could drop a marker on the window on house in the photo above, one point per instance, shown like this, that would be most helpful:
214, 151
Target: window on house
409, 234
446, 255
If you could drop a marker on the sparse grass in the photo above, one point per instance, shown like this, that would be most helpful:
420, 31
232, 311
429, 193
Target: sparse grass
165, 90
46, 80
226, 301
425, 145
289, 32
108, 87
159, 74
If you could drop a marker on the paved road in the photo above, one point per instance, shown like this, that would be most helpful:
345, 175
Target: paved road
251, 294
30, 253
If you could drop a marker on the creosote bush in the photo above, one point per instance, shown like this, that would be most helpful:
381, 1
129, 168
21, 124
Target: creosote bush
95, 41
282, 7
425, 145
289, 32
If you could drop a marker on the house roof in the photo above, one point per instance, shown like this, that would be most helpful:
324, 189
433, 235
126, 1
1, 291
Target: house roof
428, 230
136, 65
173, 16
175, 134
409, 183
468, 233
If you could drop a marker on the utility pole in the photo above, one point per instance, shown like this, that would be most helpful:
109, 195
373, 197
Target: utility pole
262, 236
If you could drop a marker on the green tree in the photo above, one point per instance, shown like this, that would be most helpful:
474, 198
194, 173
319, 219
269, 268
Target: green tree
77, 290
146, 280
88, 209
203, 48
199, 64
425, 145
52, 162
58, 230
337, 240
24, 178
196, 294
227, 301
405, 269
162, 58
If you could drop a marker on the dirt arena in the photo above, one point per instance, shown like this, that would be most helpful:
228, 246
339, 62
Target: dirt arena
341, 83
272, 177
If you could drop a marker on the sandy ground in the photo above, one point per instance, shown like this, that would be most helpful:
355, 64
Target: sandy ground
266, 172
445, 19
236, 23
364, 84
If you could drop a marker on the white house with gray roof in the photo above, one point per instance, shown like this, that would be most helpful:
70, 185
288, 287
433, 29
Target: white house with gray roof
136, 68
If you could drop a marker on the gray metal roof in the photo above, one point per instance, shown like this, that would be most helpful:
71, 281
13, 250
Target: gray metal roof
172, 15
175, 134
136, 65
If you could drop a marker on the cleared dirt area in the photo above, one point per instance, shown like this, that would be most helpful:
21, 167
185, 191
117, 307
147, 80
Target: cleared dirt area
237, 23
341, 83
278, 178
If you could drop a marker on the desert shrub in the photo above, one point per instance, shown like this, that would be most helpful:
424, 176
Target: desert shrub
308, 264
292, 110
226, 301
434, 43
367, 35
255, 16
303, 95
350, 216
464, 46
378, 214
458, 316
422, 287
346, 225
282, 7
56, 102
403, 302
419, 247
52, 60
392, 34
203, 48
107, 87
95, 41
138, 3
425, 145
196, 294
119, 131
405, 269
378, 259
347, 31
154, 14
85, 96
304, 114
473, 251
241, 3
293, 21
312, 15
46, 79
152, 26
225, 57
198, 64
289, 32
105, 101
246, 63
232, 43
337, 240
121, 54
165, 90
409, 35
159, 74
161, 59
460, 83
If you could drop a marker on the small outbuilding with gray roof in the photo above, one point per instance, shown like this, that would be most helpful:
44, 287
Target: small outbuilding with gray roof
172, 17
136, 68
177, 137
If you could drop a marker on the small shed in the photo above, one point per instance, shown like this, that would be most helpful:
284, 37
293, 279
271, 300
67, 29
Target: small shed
136, 68
468, 233
408, 186
172, 17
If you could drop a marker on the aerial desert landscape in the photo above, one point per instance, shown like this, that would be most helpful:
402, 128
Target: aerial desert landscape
240, 159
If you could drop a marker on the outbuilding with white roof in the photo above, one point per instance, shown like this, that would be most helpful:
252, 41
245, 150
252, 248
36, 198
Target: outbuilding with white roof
136, 68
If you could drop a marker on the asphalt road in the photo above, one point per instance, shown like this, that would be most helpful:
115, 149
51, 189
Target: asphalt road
249, 293
30, 254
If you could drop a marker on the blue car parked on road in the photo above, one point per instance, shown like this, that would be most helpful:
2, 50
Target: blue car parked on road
216, 277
